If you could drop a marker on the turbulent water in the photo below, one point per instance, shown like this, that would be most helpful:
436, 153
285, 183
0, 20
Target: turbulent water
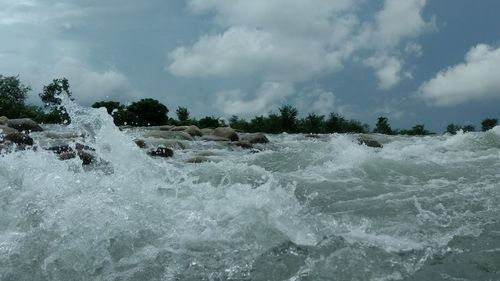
420, 208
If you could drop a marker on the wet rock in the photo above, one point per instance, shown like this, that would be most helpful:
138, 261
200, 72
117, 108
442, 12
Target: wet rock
206, 153
164, 152
24, 124
226, 132
66, 155
168, 135
19, 138
4, 130
243, 144
179, 128
213, 138
70, 135
140, 143
4, 120
79, 146
157, 128
255, 138
59, 149
207, 131
365, 140
312, 136
198, 159
194, 131
86, 157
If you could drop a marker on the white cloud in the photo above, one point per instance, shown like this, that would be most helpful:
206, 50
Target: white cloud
266, 97
304, 39
475, 79
320, 102
39, 53
387, 70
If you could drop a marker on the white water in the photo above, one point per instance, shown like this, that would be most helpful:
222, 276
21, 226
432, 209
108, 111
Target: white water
421, 208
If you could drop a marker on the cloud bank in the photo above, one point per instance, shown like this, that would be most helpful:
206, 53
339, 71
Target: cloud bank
473, 80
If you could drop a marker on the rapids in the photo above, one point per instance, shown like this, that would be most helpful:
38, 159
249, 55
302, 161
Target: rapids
420, 208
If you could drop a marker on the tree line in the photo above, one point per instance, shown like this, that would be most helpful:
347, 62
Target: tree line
151, 112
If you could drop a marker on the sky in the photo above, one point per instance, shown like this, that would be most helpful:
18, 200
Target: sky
431, 62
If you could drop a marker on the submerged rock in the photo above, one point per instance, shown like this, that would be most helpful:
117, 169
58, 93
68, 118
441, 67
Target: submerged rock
213, 138
243, 144
365, 140
226, 132
164, 152
140, 143
19, 138
24, 124
198, 159
255, 138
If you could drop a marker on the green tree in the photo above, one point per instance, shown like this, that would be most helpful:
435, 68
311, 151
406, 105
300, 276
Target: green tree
51, 91
313, 123
453, 129
288, 117
182, 114
335, 123
468, 128
209, 122
488, 124
148, 112
383, 127
12, 96
417, 130
109, 105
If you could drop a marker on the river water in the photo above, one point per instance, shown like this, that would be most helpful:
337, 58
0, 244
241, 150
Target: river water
420, 208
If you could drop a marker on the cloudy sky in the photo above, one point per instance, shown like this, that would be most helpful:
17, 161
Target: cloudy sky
414, 61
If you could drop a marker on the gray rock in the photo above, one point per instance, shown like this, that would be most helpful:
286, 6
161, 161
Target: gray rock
164, 152
213, 138
24, 124
179, 128
365, 140
68, 135
255, 138
140, 143
227, 133
194, 131
19, 138
168, 135
4, 120
207, 131
4, 130
243, 144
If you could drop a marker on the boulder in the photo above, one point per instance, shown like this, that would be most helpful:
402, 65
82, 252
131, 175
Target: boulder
194, 131
226, 132
365, 140
59, 149
140, 143
67, 135
4, 120
19, 138
86, 157
66, 155
255, 138
243, 144
174, 144
168, 135
24, 124
213, 138
4, 130
162, 152
207, 131
179, 128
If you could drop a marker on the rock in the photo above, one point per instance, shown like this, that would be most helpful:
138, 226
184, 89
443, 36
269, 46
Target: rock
4, 120
4, 130
86, 157
66, 155
227, 133
243, 144
24, 124
312, 136
255, 138
173, 144
194, 131
207, 131
79, 146
19, 138
157, 128
162, 152
178, 128
198, 159
365, 140
206, 153
140, 143
213, 138
168, 135
69, 135
59, 149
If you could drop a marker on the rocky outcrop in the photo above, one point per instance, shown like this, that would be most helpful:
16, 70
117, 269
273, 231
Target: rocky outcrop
255, 138
207, 131
168, 135
194, 131
140, 143
4, 120
365, 140
243, 144
226, 132
24, 124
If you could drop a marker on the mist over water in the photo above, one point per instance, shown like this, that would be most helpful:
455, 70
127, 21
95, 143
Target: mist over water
420, 208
